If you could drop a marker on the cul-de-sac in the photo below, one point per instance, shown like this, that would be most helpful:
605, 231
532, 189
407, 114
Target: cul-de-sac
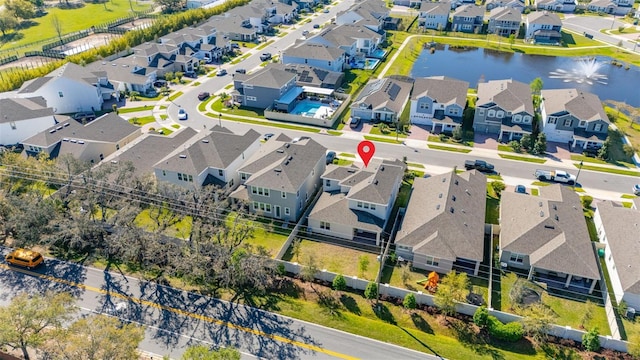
317, 179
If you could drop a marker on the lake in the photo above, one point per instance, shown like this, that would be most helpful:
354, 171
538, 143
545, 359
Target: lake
473, 64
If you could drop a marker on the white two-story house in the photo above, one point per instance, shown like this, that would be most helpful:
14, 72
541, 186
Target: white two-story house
438, 102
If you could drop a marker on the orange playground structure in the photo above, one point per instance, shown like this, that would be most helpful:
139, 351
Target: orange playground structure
431, 282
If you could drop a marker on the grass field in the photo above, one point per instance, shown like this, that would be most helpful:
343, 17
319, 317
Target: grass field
523, 158
140, 121
382, 139
448, 148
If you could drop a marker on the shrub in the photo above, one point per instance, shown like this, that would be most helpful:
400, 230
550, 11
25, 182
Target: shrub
591, 340
409, 301
481, 316
498, 187
511, 332
586, 201
371, 291
339, 283
515, 145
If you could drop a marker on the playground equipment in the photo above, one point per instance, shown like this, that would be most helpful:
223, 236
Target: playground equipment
431, 282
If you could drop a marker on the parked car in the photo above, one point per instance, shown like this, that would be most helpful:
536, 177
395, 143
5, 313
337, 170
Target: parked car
354, 122
182, 114
267, 136
86, 116
265, 56
326, 11
331, 155
520, 189
305, 33
559, 176
160, 83
222, 72
25, 258
235, 46
479, 165
190, 74
316, 26
203, 95
241, 71
636, 189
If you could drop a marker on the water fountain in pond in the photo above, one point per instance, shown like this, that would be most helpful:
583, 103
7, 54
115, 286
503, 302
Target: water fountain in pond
585, 71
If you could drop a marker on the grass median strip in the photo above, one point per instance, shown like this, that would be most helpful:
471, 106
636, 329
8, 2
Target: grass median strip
523, 158
448, 148
135, 109
265, 123
608, 170
381, 139
175, 95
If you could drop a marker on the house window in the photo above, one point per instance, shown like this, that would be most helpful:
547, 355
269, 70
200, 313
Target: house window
325, 225
526, 119
491, 113
359, 204
516, 258
373, 206
255, 205
598, 127
180, 176
583, 123
117, 146
517, 118
251, 98
284, 195
567, 122
164, 173
190, 178
287, 211
243, 176
424, 106
327, 182
431, 261
247, 86
500, 114
254, 190
60, 94
551, 120
366, 205
220, 172
481, 112
329, 63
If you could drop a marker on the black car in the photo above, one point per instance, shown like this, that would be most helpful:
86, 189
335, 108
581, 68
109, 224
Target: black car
267, 136
265, 56
203, 96
241, 71
331, 155
222, 72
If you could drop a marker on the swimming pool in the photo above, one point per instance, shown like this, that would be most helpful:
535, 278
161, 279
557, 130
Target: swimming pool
379, 53
368, 64
312, 109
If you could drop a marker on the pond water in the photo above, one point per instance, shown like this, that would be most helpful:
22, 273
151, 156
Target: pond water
474, 64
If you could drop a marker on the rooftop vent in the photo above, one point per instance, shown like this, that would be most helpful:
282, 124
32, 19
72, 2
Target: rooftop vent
440, 196
290, 158
540, 204
277, 170
65, 124
375, 182
280, 151
456, 182
444, 179
541, 213
287, 145
73, 140
549, 227
286, 162
65, 139
557, 218
59, 128
451, 210
114, 161
438, 207
555, 207
381, 168
467, 191
80, 142
52, 131
183, 156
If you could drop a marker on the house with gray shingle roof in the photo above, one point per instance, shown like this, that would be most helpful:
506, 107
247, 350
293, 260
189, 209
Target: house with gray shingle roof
468, 18
368, 13
69, 89
543, 27
382, 99
281, 178
279, 12
213, 158
566, 6
312, 76
505, 108
504, 21
22, 118
434, 15
443, 226
574, 116
547, 236
356, 203
264, 89
356, 40
616, 226
254, 15
439, 102
233, 27
91, 142
316, 55
514, 4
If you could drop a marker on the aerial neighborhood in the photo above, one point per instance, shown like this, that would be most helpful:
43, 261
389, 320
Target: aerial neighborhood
440, 219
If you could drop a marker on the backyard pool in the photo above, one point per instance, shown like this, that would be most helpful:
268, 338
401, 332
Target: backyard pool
379, 54
313, 109
367, 64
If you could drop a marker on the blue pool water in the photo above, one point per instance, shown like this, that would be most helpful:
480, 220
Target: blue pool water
378, 53
306, 108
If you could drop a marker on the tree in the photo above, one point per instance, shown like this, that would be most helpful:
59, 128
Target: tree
169, 6
591, 340
23, 321
409, 301
453, 288
512, 40
179, 75
536, 86
515, 145
540, 147
537, 322
97, 337
7, 22
169, 76
22, 9
405, 272
371, 291
498, 187
481, 316
309, 271
201, 352
296, 247
603, 153
339, 283
57, 26
526, 141
363, 265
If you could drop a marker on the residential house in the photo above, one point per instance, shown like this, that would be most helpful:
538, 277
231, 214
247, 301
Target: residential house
382, 99
356, 202
254, 16
619, 7
91, 142
543, 27
443, 226
514, 4
504, 21
438, 102
434, 15
468, 18
504, 107
70, 88
195, 4
279, 12
615, 225
22, 118
312, 77
574, 116
368, 13
356, 40
316, 55
268, 88
408, 3
282, 177
233, 27
566, 6
457, 3
547, 236
213, 158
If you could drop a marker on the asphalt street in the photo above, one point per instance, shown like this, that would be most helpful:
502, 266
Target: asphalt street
593, 24
176, 319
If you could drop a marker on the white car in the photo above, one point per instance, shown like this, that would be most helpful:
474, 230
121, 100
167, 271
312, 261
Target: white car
182, 114
636, 189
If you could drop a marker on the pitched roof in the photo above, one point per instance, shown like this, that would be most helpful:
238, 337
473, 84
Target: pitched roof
311, 76
431, 228
510, 95
270, 78
583, 105
315, 51
505, 14
283, 165
619, 223
470, 10
68, 70
379, 183
216, 149
543, 17
550, 229
441, 89
435, 8
16, 109
346, 35
333, 207
384, 93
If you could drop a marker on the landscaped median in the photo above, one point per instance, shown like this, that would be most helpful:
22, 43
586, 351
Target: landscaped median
448, 148
611, 170
263, 122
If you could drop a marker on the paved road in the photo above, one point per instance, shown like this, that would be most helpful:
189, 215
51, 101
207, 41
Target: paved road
175, 318
593, 25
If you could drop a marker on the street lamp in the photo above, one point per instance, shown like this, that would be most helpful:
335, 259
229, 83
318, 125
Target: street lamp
220, 119
579, 168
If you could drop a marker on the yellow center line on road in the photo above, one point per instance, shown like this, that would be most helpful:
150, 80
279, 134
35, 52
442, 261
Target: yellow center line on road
186, 313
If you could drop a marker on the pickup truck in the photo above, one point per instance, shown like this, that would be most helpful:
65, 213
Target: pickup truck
479, 165
559, 176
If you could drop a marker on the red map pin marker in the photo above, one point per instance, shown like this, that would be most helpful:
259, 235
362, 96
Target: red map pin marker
366, 150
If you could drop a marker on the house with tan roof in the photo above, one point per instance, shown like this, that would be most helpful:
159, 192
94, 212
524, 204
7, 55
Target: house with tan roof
22, 118
368, 13
574, 116
439, 102
504, 21
547, 236
316, 55
382, 99
210, 158
566, 6
443, 226
434, 15
356, 203
616, 226
543, 27
504, 108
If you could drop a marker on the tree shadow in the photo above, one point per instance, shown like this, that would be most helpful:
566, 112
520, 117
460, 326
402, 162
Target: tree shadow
383, 313
421, 323
14, 36
421, 342
350, 304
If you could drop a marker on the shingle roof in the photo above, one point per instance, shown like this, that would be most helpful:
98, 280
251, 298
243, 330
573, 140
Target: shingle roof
550, 229
270, 78
505, 14
216, 149
315, 51
620, 224
283, 165
379, 184
384, 93
442, 90
435, 8
432, 229
333, 207
68, 70
583, 105
510, 95
470, 10
16, 109
309, 75
544, 17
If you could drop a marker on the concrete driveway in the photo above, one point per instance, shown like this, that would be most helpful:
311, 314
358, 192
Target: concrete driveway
483, 141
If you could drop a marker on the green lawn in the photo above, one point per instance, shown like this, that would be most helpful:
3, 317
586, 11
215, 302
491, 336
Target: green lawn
142, 120
135, 109
505, 148
449, 140
523, 158
609, 170
334, 132
342, 162
589, 159
375, 130
240, 111
448, 148
175, 95
492, 206
628, 196
177, 226
381, 139
175, 126
346, 155
415, 165
164, 131
535, 191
